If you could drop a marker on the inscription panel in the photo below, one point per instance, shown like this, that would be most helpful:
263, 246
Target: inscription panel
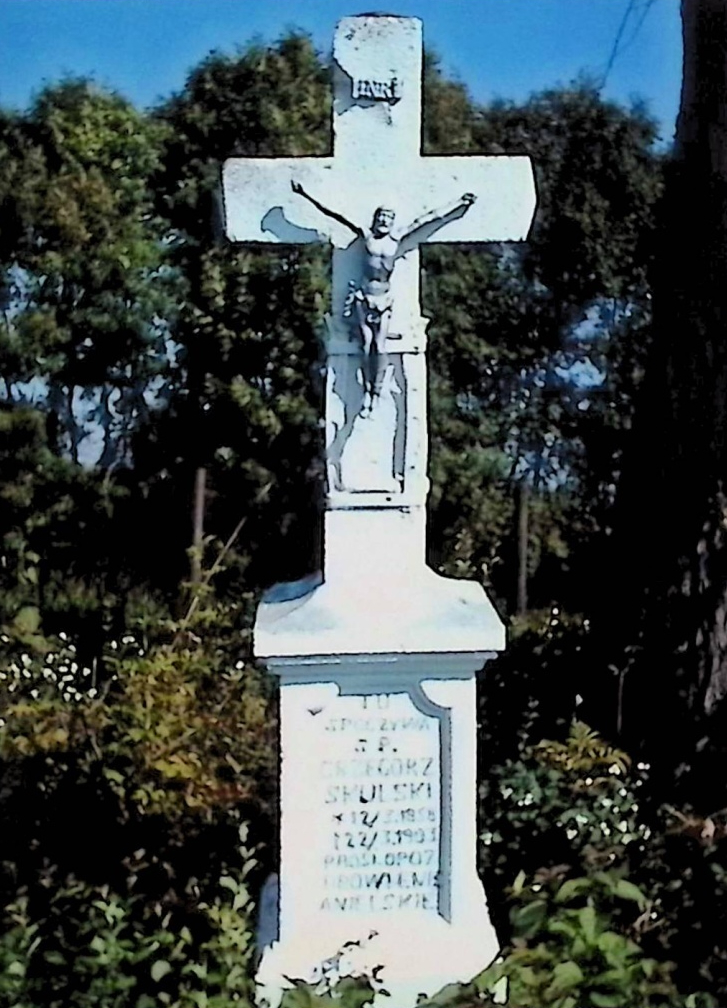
380, 780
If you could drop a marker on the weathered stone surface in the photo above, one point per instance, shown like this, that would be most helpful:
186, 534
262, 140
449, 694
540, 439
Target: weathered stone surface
377, 460
378, 827
377, 658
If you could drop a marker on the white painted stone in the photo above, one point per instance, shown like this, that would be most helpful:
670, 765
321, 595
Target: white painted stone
377, 659
377, 161
380, 830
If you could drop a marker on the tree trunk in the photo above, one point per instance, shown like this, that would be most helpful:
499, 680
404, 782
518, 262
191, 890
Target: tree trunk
670, 594
200, 486
523, 505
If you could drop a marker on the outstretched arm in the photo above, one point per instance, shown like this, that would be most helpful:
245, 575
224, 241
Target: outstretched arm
298, 188
464, 202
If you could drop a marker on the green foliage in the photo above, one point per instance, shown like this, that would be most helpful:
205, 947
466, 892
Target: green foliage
535, 351
133, 741
575, 813
558, 803
88, 282
683, 867
340, 984
571, 948
87, 303
17, 945
180, 726
130, 313
90, 947
584, 751
244, 400
346, 992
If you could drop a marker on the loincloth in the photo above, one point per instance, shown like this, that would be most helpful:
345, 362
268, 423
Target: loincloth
375, 305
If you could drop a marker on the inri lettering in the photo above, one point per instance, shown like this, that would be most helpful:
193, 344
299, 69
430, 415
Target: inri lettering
388, 90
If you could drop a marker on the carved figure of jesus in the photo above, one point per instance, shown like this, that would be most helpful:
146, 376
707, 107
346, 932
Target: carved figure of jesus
369, 302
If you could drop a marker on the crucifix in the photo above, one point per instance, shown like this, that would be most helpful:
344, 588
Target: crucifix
377, 661
369, 301
376, 438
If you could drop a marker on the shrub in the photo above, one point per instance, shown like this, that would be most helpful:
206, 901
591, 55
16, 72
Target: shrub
573, 802
91, 947
571, 948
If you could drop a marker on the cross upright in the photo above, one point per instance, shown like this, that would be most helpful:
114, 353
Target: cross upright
376, 404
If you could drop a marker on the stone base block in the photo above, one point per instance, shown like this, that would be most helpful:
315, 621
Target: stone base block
378, 823
419, 957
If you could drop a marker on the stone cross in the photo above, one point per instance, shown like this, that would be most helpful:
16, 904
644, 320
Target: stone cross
377, 663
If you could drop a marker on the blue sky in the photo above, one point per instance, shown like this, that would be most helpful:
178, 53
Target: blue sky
506, 48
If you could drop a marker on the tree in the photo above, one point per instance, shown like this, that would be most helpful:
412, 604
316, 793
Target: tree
671, 569
535, 348
218, 396
245, 405
87, 289
86, 307
504, 331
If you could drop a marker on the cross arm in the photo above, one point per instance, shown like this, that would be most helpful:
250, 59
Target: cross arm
504, 188
260, 204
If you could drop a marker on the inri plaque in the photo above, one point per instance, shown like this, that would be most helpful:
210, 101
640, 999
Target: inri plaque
381, 780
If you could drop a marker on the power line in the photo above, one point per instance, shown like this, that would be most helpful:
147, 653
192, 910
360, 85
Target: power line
647, 7
619, 46
617, 41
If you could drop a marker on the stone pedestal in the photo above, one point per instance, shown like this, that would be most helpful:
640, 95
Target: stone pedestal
378, 785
